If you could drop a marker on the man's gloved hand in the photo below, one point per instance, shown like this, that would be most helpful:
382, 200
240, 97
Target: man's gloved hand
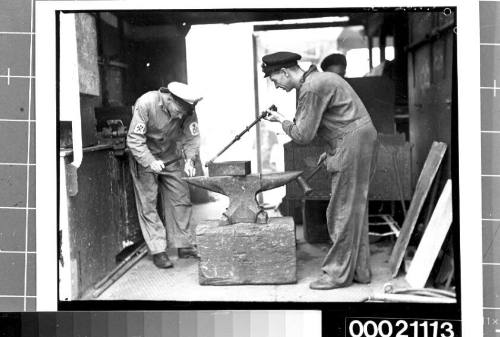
321, 158
157, 166
189, 168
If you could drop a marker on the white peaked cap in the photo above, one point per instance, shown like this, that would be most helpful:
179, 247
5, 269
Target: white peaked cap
184, 92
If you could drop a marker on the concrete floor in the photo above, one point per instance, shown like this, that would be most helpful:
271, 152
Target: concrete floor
146, 282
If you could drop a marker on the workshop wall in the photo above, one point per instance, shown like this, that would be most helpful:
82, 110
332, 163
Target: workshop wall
157, 60
118, 62
102, 217
89, 80
430, 68
115, 57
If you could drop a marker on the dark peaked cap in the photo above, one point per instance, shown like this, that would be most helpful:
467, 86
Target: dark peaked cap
333, 59
276, 61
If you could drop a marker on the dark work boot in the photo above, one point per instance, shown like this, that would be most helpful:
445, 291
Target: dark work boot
161, 260
325, 282
185, 253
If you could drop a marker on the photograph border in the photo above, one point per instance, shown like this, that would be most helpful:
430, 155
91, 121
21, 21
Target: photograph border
469, 161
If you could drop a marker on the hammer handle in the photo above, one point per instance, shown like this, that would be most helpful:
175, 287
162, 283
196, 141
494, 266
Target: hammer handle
318, 167
237, 137
303, 181
304, 185
170, 162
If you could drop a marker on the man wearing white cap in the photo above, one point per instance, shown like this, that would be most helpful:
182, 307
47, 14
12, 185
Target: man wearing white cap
164, 123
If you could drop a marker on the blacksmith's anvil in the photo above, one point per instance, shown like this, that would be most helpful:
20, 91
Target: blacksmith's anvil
241, 190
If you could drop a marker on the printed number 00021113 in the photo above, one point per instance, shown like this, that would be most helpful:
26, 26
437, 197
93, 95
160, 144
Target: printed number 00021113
376, 327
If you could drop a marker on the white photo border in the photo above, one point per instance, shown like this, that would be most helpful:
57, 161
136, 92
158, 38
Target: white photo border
468, 130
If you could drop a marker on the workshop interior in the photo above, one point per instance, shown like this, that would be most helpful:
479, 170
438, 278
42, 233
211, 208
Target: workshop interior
401, 63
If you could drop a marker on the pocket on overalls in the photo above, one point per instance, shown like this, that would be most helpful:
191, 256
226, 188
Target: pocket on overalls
134, 169
334, 161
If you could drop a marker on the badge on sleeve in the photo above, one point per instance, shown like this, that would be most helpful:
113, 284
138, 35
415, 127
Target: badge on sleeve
193, 127
140, 128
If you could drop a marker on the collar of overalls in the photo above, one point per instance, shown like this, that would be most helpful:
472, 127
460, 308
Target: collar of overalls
164, 108
309, 71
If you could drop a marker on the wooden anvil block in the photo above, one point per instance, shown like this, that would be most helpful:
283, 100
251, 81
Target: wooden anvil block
247, 253
229, 168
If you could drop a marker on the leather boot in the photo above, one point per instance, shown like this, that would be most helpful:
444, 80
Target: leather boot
325, 282
161, 260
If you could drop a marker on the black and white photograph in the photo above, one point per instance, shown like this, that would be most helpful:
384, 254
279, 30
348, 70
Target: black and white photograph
258, 155
252, 168
254, 157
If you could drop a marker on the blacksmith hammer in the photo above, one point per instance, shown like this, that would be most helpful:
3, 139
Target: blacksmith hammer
167, 163
303, 181
304, 185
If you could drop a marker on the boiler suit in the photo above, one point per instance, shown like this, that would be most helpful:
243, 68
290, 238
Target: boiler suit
156, 134
329, 107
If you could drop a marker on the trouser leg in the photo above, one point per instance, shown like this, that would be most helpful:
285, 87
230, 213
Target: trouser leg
177, 208
337, 260
146, 192
362, 272
347, 211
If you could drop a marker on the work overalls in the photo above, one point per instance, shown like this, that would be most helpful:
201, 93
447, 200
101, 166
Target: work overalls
155, 134
327, 106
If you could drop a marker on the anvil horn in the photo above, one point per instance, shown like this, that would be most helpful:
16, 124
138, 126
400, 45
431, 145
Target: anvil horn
273, 180
213, 184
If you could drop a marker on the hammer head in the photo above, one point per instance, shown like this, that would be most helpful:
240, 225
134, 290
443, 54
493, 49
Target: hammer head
304, 185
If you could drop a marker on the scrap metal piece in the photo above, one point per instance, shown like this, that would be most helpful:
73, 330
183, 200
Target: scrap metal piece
229, 168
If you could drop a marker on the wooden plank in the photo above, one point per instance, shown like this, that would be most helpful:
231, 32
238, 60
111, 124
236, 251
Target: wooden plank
424, 183
432, 240
88, 70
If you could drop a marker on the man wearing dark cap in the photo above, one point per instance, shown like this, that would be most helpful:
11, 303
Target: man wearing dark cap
164, 123
335, 63
327, 106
